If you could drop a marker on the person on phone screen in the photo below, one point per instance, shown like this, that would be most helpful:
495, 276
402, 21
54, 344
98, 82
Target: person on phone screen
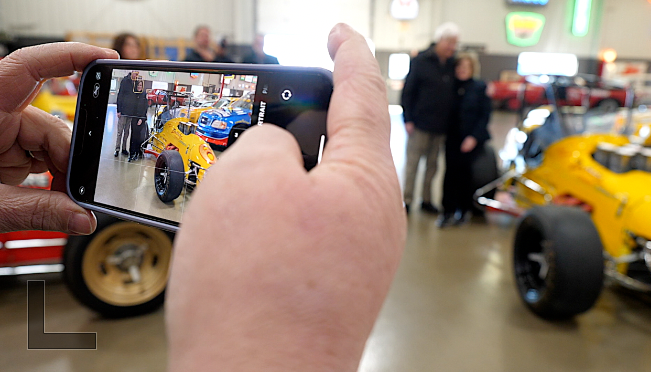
464, 142
427, 102
303, 263
138, 121
125, 111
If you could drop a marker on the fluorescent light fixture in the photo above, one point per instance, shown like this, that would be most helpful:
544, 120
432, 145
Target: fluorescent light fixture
398, 65
581, 20
302, 50
560, 64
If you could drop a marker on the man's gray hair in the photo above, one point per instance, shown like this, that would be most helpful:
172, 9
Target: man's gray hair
446, 30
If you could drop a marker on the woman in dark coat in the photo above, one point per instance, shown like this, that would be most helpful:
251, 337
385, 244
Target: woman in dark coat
465, 141
138, 120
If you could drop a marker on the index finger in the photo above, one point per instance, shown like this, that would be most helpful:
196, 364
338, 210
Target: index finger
24, 69
358, 118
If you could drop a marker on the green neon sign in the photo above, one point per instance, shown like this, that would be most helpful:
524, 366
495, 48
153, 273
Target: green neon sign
581, 20
523, 29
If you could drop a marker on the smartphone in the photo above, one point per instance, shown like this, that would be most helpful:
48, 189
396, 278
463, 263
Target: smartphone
146, 132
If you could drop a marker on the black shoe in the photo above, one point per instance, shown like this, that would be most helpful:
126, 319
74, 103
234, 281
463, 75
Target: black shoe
457, 218
445, 220
429, 208
124, 152
132, 158
116, 153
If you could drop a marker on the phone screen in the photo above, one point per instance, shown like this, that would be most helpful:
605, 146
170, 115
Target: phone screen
144, 138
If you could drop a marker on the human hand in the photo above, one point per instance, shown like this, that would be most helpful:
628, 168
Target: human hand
409, 127
295, 276
119, 115
469, 143
25, 128
139, 121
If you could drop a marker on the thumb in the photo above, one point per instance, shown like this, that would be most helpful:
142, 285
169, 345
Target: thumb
32, 209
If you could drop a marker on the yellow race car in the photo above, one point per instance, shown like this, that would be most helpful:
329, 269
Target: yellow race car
586, 190
58, 97
199, 107
182, 158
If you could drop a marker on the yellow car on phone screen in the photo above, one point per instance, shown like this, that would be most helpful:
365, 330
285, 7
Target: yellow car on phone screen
182, 158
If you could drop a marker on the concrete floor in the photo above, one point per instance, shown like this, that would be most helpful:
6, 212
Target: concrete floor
452, 307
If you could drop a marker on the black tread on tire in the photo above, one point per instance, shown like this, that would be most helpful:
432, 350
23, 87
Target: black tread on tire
569, 243
73, 255
169, 162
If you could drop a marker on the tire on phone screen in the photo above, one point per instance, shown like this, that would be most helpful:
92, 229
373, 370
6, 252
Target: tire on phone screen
120, 270
169, 175
558, 261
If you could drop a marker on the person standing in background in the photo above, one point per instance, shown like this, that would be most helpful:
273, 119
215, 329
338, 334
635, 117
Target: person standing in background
257, 54
464, 142
128, 46
427, 102
204, 51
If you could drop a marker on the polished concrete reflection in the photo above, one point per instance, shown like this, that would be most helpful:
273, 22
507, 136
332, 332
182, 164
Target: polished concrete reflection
452, 307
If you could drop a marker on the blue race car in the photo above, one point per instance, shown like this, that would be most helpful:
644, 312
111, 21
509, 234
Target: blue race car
218, 125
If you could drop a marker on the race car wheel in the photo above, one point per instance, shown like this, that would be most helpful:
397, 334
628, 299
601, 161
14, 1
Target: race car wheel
608, 105
558, 261
235, 133
120, 270
169, 175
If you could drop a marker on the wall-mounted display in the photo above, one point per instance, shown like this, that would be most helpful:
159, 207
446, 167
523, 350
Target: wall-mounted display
523, 29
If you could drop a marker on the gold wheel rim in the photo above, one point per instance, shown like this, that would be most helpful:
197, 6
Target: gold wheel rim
109, 258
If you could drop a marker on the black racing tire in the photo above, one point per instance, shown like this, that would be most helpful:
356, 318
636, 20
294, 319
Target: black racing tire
169, 175
565, 241
235, 133
86, 274
608, 105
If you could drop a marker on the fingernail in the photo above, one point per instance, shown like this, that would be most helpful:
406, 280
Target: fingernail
79, 223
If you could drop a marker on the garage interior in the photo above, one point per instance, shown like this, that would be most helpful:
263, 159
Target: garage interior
453, 305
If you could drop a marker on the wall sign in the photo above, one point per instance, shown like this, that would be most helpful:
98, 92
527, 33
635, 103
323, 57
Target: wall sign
528, 2
404, 10
523, 29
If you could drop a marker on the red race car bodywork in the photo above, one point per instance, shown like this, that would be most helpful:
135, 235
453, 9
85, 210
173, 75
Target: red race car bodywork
26, 252
591, 94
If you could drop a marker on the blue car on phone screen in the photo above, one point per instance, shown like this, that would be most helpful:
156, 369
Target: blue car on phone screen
216, 126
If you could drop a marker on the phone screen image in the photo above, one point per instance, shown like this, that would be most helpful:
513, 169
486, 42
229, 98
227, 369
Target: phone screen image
158, 132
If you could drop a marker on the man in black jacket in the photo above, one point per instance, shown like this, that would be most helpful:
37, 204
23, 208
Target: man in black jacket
427, 102
125, 110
